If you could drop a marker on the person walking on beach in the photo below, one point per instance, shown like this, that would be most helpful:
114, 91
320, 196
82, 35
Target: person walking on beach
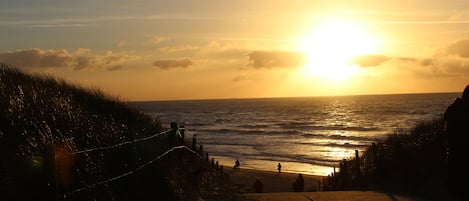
237, 164
279, 168
457, 131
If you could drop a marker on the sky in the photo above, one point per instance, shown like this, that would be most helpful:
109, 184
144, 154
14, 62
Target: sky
206, 49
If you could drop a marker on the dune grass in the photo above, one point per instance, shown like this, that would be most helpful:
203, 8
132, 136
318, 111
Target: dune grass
409, 161
40, 115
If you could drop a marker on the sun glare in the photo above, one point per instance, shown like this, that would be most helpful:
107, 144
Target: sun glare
331, 45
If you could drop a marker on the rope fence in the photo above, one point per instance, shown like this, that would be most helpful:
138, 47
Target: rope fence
127, 173
174, 131
121, 144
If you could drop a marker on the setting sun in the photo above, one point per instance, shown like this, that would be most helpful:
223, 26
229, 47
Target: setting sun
330, 47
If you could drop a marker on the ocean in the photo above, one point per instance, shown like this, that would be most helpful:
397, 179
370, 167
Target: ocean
308, 135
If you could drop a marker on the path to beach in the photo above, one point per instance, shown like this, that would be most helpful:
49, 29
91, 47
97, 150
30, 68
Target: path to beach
278, 187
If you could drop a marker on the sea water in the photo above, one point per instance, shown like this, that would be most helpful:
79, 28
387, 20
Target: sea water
307, 135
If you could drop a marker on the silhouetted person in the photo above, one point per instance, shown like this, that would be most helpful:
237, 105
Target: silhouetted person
237, 164
299, 183
279, 168
258, 186
457, 130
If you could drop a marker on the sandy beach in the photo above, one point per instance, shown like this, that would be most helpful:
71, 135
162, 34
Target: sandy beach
278, 187
272, 181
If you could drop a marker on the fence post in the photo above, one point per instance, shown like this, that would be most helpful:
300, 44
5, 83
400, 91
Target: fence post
172, 134
181, 132
357, 164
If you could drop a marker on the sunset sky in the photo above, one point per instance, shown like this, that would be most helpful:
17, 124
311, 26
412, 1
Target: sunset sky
201, 49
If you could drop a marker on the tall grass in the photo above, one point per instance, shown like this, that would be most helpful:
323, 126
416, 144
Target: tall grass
409, 161
40, 114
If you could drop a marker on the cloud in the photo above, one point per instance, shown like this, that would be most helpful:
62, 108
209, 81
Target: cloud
157, 40
79, 60
178, 49
167, 64
459, 48
273, 59
451, 61
37, 58
121, 44
369, 60
222, 51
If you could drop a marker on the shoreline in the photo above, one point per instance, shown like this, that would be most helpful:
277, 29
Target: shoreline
271, 166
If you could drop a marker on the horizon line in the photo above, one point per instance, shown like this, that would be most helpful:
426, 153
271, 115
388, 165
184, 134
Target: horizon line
286, 97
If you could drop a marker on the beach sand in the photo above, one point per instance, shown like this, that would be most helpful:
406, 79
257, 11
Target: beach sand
278, 187
272, 181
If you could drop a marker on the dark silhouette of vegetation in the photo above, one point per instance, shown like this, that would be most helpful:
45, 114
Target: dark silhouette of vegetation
41, 116
408, 161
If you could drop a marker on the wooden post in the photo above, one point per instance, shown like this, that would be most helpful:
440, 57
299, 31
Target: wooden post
201, 149
182, 132
172, 134
357, 164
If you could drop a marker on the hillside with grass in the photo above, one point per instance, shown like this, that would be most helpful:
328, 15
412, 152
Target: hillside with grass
62, 141
411, 161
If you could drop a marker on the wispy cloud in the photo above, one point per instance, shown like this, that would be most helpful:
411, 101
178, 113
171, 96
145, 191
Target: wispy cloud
275, 59
450, 61
157, 40
87, 21
369, 60
81, 59
167, 64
